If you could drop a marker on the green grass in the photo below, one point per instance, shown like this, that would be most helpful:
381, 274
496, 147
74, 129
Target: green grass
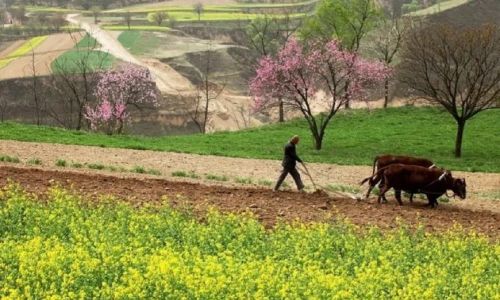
209, 8
87, 42
96, 60
189, 174
59, 246
136, 28
216, 177
10, 159
343, 188
243, 180
96, 166
49, 9
143, 170
61, 163
76, 165
265, 182
34, 161
139, 42
355, 137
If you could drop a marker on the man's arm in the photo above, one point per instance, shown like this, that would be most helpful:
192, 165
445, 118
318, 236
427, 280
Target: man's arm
294, 154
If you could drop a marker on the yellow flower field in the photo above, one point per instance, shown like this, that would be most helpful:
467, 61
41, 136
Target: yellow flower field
24, 49
68, 248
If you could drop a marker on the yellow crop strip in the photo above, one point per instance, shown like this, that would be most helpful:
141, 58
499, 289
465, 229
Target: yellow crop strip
23, 50
64, 248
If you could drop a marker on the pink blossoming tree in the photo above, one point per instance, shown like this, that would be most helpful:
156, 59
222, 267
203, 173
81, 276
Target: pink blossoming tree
116, 90
318, 71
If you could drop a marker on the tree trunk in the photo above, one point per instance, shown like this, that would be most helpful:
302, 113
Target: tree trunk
318, 142
347, 104
458, 141
318, 138
282, 111
386, 92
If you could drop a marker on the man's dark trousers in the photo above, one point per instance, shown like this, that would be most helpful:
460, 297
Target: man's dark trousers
295, 174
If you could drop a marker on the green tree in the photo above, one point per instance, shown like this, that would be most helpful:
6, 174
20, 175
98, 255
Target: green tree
346, 20
158, 17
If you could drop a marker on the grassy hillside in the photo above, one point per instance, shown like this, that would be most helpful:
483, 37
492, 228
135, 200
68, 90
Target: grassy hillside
355, 137
438, 7
139, 42
472, 13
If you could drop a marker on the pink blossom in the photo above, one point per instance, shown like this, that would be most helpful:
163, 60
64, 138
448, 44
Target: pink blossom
115, 91
300, 72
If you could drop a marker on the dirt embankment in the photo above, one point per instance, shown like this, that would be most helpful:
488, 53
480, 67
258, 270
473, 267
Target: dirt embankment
268, 206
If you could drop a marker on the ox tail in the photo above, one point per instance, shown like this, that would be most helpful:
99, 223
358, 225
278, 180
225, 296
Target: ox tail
365, 180
374, 164
376, 176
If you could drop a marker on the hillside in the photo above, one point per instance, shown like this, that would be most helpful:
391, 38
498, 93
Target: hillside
472, 13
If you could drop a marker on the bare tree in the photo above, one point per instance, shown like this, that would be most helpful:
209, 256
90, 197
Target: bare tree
388, 43
3, 17
207, 91
96, 11
266, 35
35, 87
4, 107
18, 13
127, 18
57, 21
198, 9
158, 17
457, 68
74, 78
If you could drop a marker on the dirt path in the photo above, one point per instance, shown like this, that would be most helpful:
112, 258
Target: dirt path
481, 186
265, 204
167, 80
45, 54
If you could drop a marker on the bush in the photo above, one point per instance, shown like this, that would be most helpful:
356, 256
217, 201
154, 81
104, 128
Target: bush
11, 159
61, 163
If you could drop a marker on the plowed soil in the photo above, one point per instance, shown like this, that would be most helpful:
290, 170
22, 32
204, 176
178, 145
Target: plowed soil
45, 54
268, 206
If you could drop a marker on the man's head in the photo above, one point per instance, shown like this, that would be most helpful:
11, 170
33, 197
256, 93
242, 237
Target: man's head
295, 139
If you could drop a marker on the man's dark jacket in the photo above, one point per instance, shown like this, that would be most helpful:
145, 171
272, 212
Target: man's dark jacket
290, 160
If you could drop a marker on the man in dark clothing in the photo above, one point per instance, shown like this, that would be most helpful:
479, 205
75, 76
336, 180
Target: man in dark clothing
289, 163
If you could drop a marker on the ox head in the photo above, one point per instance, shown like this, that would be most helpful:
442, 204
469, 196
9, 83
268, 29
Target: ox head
459, 187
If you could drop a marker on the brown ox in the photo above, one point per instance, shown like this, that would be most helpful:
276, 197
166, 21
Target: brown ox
415, 179
382, 161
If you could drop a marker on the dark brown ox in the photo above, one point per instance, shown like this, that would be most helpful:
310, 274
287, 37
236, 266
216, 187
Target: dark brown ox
382, 161
415, 179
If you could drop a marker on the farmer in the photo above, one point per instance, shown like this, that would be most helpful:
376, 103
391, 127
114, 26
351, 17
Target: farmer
289, 162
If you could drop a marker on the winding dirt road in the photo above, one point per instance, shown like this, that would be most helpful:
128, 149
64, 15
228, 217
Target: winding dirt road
167, 79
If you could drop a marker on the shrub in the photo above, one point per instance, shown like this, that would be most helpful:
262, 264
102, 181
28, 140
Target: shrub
61, 163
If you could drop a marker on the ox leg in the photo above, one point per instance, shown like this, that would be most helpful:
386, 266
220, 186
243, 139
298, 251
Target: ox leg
432, 200
371, 184
411, 197
383, 190
370, 187
382, 183
397, 193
